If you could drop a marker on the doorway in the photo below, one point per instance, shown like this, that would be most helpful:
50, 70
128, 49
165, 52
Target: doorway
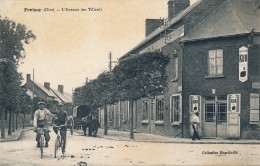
215, 116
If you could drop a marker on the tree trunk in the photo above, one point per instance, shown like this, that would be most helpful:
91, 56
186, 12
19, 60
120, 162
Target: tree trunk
2, 122
131, 113
10, 123
16, 121
105, 120
13, 130
23, 119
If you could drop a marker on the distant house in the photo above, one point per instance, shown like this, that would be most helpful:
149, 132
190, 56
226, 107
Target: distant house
45, 92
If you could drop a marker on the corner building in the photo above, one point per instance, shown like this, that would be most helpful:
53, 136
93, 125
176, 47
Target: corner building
214, 69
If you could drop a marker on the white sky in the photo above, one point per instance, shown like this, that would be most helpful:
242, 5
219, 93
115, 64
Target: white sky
71, 46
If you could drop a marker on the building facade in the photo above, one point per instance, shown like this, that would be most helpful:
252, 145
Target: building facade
214, 69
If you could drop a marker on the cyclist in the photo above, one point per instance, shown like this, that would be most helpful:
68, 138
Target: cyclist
40, 121
61, 119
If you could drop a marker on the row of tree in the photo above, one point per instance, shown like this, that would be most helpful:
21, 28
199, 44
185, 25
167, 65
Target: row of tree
13, 98
134, 77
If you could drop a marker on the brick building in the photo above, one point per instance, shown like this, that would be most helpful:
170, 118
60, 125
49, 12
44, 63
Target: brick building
221, 71
196, 37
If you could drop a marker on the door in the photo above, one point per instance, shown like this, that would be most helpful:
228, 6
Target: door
215, 116
151, 124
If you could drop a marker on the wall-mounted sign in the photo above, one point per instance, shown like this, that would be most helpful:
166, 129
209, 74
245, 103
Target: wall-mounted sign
233, 103
243, 64
195, 103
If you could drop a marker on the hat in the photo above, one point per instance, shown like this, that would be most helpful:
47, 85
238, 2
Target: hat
41, 102
60, 104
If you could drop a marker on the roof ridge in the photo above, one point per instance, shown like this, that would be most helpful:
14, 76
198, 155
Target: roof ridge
239, 18
206, 18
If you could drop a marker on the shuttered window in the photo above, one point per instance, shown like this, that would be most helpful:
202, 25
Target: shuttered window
254, 108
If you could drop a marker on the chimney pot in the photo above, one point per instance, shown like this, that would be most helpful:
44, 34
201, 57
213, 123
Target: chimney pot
60, 88
176, 6
151, 25
47, 85
28, 77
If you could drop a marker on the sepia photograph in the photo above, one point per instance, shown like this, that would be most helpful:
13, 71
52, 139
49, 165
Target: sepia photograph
129, 82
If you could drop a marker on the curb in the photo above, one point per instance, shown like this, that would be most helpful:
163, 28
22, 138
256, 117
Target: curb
181, 141
16, 138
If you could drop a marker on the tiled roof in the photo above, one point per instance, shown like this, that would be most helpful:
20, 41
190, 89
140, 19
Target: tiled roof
162, 28
61, 96
48, 92
233, 17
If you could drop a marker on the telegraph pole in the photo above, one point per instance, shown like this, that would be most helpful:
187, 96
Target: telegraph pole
110, 61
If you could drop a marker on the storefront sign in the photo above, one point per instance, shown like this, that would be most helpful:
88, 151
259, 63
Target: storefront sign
243, 64
195, 103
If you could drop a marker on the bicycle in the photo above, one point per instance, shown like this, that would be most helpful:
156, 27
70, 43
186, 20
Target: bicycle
41, 139
59, 142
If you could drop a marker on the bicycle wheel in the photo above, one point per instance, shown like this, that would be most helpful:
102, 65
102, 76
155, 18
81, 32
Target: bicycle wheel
56, 146
41, 144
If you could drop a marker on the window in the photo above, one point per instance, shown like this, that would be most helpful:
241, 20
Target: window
159, 109
175, 113
254, 108
216, 109
175, 67
215, 62
145, 110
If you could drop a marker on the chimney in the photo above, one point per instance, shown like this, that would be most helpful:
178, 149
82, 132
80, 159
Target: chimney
60, 88
28, 77
47, 85
151, 25
176, 6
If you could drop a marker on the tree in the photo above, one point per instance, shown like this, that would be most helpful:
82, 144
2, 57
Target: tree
12, 38
133, 78
140, 76
25, 105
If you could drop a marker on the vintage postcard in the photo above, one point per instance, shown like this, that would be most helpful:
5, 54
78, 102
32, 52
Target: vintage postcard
129, 82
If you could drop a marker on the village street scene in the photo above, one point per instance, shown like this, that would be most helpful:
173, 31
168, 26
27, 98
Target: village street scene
147, 82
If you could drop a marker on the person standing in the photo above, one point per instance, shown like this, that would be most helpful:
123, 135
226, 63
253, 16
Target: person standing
70, 124
40, 121
195, 125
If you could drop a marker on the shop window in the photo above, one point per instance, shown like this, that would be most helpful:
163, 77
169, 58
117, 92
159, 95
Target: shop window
111, 110
216, 109
254, 108
175, 112
215, 62
145, 110
159, 110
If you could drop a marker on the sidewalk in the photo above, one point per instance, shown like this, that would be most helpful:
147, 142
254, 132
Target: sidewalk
144, 137
15, 135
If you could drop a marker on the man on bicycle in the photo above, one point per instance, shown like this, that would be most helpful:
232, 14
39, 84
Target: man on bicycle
61, 119
40, 121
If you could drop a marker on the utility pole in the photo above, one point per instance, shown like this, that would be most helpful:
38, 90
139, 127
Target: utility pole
110, 61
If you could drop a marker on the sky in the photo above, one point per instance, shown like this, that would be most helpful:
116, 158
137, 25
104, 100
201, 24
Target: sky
74, 45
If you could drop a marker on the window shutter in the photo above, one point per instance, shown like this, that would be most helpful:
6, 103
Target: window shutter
254, 108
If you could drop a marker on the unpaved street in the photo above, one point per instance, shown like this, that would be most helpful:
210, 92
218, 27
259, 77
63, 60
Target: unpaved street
99, 151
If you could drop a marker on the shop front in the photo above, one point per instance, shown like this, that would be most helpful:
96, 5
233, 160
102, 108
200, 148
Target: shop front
219, 115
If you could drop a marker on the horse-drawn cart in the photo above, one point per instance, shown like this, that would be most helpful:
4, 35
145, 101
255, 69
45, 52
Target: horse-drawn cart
78, 113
